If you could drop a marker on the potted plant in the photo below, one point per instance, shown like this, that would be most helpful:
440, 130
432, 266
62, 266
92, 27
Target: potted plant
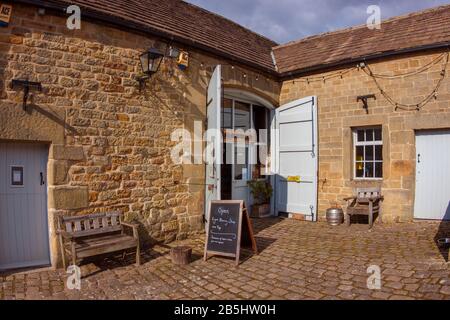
261, 191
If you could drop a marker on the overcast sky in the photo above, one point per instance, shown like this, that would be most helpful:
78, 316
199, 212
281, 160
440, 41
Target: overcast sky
287, 20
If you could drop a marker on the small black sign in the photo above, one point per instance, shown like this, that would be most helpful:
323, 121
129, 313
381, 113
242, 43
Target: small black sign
224, 229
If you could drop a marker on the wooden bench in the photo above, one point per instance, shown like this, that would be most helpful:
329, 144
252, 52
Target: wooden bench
366, 201
94, 234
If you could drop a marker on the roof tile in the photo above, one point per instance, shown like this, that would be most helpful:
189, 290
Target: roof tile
423, 28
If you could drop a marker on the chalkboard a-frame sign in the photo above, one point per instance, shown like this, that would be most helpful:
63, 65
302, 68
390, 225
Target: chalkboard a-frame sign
228, 228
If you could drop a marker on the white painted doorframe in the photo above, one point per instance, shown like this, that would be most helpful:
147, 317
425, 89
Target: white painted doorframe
252, 99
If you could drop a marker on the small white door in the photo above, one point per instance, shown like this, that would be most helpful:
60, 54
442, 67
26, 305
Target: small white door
24, 238
432, 199
296, 158
213, 150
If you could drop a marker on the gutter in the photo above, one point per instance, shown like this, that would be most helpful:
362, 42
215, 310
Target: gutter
308, 70
95, 16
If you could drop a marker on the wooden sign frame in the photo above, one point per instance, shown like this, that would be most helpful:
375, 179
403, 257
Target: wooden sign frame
242, 215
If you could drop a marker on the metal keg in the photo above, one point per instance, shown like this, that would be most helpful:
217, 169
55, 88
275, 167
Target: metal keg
335, 216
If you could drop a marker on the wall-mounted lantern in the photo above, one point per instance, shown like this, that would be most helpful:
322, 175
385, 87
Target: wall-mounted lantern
150, 62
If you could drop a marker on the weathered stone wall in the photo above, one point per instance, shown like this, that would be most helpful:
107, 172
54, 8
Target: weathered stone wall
338, 113
109, 143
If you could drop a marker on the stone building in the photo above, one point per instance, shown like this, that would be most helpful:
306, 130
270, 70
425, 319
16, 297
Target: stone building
92, 139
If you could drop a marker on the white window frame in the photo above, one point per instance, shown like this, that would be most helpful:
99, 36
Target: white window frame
357, 143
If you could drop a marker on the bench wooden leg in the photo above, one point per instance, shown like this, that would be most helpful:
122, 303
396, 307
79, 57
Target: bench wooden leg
138, 255
63, 252
370, 214
380, 213
74, 254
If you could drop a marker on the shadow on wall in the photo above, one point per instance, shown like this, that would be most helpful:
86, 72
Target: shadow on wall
444, 232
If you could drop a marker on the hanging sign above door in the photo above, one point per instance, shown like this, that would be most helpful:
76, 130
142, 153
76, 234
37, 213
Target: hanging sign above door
229, 228
5, 14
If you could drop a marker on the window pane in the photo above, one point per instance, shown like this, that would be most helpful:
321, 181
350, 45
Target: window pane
369, 152
359, 153
369, 135
241, 163
379, 170
360, 134
226, 113
359, 169
378, 152
369, 169
378, 136
241, 115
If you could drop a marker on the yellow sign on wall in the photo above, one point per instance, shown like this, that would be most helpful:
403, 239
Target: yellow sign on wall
5, 14
183, 60
293, 178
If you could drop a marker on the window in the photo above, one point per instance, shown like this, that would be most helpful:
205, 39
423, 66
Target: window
368, 153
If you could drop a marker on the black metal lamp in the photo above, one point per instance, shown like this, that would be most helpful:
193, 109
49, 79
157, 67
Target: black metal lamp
150, 62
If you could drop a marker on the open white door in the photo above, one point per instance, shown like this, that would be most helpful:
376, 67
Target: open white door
213, 150
296, 158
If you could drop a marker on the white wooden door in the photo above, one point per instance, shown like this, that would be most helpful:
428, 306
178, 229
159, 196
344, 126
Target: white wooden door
213, 149
432, 200
296, 157
24, 233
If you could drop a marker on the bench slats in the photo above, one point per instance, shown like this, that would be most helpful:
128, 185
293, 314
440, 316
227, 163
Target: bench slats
104, 222
114, 220
94, 234
92, 216
96, 222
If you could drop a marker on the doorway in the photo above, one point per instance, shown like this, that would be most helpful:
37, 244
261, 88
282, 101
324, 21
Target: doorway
242, 161
24, 236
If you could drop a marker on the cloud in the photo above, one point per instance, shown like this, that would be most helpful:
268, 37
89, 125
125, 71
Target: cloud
287, 20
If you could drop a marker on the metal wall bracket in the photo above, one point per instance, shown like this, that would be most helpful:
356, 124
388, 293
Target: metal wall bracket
26, 86
364, 100
142, 81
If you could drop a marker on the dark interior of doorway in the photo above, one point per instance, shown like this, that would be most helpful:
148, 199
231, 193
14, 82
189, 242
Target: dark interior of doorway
260, 121
225, 177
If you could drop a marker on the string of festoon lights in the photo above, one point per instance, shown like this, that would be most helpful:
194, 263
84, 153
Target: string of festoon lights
245, 74
413, 106
365, 67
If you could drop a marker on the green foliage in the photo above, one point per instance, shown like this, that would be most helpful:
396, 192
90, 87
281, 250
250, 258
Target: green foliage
261, 190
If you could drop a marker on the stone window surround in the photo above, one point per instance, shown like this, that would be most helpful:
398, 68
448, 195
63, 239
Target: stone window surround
348, 149
371, 143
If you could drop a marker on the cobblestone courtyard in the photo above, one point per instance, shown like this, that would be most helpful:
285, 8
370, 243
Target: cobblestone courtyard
297, 260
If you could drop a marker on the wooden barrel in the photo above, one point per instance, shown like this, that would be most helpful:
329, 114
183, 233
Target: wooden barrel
335, 216
181, 255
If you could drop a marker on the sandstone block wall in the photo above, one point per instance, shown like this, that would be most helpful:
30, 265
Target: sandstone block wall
339, 112
109, 143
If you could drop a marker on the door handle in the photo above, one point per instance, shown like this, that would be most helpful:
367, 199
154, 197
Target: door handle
42, 179
418, 158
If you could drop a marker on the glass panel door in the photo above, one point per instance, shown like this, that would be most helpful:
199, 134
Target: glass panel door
240, 171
